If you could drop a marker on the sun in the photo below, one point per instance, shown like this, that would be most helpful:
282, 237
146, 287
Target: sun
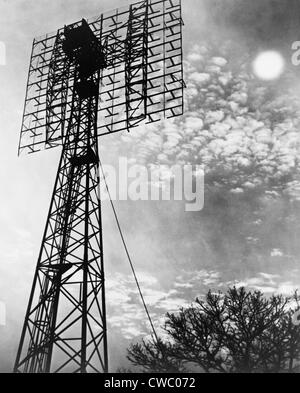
268, 65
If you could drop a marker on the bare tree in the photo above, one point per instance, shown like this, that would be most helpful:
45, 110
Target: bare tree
236, 332
155, 356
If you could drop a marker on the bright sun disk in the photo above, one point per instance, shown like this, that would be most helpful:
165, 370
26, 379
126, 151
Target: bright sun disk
268, 65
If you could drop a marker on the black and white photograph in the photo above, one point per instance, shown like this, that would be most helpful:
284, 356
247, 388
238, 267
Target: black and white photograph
150, 189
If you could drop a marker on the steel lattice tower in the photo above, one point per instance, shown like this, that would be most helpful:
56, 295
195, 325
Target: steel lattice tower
89, 79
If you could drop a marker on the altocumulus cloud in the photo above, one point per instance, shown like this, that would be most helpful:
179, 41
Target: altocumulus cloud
243, 132
126, 311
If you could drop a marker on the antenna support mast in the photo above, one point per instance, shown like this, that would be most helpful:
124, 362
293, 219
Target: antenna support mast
89, 79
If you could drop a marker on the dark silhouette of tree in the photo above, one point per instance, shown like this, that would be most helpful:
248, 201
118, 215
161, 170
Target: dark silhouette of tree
236, 332
156, 357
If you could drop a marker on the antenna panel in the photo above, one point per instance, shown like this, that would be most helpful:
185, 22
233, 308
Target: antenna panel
142, 81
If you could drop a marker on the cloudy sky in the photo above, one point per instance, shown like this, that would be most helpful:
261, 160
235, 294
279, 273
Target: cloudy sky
244, 132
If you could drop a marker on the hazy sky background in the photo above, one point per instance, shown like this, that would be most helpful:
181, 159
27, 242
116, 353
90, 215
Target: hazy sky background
244, 131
